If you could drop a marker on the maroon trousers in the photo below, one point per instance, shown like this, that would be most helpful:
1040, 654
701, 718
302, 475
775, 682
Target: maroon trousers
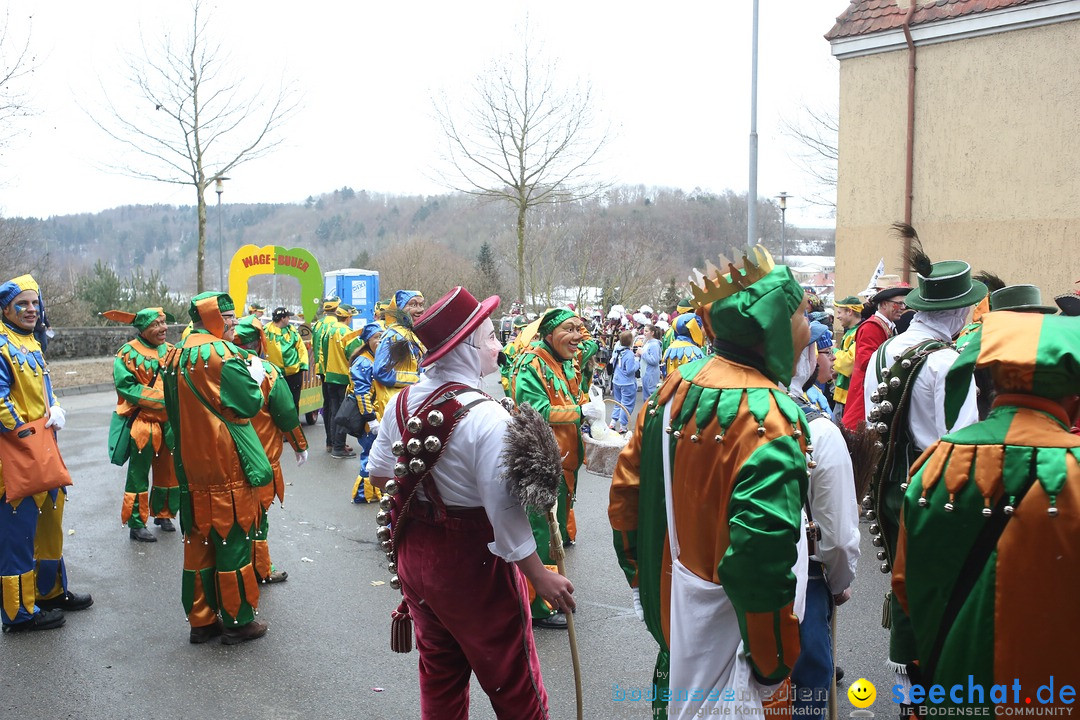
470, 610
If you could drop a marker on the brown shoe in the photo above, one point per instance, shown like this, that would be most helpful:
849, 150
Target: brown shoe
203, 633
276, 576
242, 633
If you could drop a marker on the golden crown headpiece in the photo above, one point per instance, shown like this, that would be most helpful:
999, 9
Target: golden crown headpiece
714, 284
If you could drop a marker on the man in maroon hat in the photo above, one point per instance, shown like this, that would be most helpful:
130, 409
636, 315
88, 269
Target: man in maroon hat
879, 327
462, 544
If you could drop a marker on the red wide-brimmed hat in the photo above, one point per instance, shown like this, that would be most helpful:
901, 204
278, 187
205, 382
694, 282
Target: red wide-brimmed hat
451, 319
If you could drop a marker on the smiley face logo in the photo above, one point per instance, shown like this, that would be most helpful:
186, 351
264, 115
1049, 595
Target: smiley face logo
862, 693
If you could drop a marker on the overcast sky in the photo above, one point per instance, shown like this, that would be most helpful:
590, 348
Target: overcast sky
673, 80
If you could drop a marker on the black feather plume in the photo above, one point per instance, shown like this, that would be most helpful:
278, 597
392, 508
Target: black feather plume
531, 460
990, 280
400, 350
915, 257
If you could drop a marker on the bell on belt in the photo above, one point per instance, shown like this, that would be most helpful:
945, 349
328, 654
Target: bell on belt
894, 383
435, 418
883, 389
398, 448
906, 364
384, 533
385, 502
400, 469
878, 541
885, 567
388, 548
882, 428
392, 568
880, 554
413, 446
383, 517
432, 444
389, 556
875, 528
870, 514
875, 397
886, 407
395, 582
391, 486
867, 502
875, 413
414, 425
417, 466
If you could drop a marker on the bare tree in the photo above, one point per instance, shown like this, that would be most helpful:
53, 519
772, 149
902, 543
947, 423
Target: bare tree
16, 64
524, 139
817, 133
194, 122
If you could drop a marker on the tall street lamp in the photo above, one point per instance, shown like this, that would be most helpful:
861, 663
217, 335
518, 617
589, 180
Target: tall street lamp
219, 188
783, 196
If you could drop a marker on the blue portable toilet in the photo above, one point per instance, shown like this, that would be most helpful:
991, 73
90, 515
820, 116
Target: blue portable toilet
356, 287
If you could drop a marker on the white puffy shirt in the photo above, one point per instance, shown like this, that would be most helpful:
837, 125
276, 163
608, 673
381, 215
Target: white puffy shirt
469, 472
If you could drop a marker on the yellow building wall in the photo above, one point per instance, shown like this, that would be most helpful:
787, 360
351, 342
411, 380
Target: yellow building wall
997, 157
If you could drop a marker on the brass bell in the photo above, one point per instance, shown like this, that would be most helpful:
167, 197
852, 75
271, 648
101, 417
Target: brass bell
875, 529
413, 446
882, 428
885, 568
417, 466
878, 541
384, 533
811, 464
880, 554
386, 502
414, 425
383, 518
400, 469
875, 413
432, 444
391, 487
894, 383
875, 397
392, 568
886, 407
395, 582
388, 548
435, 418
398, 448
905, 363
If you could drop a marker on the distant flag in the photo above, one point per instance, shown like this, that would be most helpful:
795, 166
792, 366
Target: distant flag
878, 272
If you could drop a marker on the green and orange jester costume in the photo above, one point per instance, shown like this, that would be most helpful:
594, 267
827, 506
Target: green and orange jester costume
211, 394
988, 565
140, 399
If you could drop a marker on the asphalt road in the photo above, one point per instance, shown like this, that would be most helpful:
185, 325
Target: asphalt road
327, 653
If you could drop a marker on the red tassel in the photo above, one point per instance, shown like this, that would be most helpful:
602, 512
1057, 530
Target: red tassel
401, 632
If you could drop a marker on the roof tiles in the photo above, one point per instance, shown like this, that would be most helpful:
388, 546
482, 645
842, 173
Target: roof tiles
863, 17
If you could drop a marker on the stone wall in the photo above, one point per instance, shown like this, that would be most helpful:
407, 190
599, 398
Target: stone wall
87, 342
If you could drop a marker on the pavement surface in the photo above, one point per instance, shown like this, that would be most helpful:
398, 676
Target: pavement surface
327, 652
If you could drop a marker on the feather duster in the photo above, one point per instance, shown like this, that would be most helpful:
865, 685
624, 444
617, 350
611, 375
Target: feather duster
915, 256
990, 280
531, 460
400, 350
864, 457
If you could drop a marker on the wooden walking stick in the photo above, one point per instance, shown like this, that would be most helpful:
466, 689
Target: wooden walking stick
533, 469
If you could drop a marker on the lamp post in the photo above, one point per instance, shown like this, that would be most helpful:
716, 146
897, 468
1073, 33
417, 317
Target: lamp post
219, 188
783, 196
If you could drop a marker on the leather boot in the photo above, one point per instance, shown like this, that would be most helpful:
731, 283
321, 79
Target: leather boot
141, 535
165, 524
203, 633
242, 633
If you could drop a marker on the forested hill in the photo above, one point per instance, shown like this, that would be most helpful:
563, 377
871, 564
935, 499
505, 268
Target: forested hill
630, 239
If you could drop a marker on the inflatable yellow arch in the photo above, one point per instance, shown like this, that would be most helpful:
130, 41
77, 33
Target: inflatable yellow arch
251, 260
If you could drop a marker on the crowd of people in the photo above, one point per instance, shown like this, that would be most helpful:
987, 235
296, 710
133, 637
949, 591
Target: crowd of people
761, 427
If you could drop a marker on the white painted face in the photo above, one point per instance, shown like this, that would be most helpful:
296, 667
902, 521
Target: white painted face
487, 344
